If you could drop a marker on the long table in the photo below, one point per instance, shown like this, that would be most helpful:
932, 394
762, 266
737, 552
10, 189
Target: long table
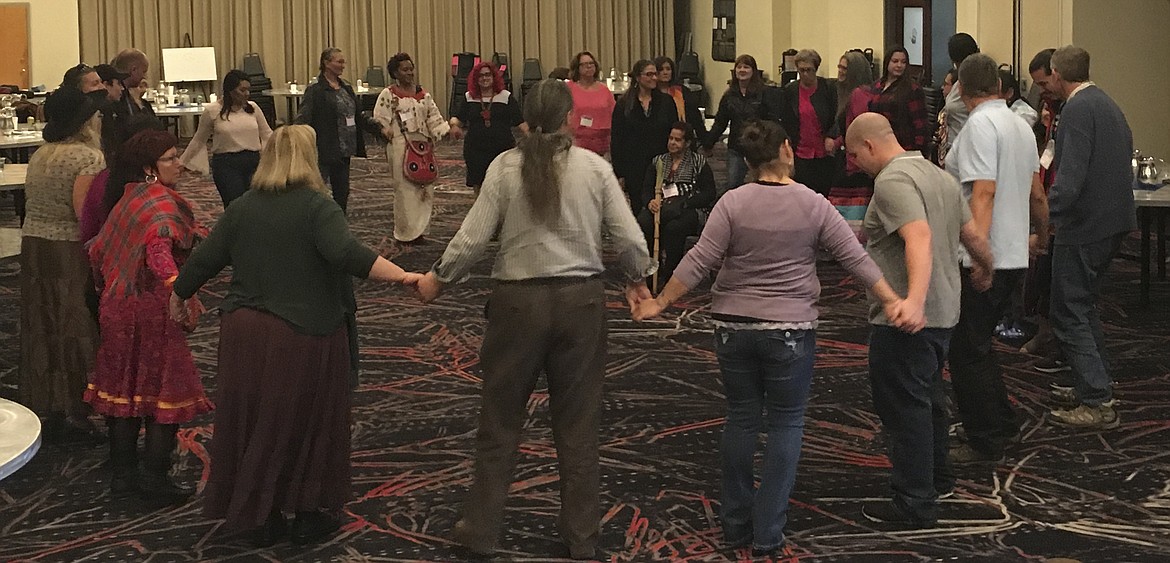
12, 179
1152, 208
293, 99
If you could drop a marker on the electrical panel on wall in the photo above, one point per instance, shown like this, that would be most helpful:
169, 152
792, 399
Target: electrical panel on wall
723, 31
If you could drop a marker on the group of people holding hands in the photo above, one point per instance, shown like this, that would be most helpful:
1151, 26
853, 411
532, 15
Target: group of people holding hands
945, 248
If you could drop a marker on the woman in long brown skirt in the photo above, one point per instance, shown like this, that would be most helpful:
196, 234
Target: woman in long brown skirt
281, 440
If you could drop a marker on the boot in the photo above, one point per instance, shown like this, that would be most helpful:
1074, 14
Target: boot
156, 487
123, 454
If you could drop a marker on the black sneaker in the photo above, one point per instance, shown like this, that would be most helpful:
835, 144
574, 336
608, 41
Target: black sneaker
886, 512
1049, 365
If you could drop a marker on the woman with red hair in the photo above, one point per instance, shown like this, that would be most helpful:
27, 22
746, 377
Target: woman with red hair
144, 371
488, 114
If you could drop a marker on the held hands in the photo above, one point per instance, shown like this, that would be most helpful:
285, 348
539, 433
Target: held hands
185, 312
906, 316
457, 132
426, 286
830, 145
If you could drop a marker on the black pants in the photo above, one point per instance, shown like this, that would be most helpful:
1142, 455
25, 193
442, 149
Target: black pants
989, 420
672, 237
816, 173
336, 174
555, 326
905, 372
232, 172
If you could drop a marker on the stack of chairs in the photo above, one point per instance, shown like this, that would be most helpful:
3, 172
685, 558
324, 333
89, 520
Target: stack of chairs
254, 68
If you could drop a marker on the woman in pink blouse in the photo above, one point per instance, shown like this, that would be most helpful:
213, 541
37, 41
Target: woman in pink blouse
593, 105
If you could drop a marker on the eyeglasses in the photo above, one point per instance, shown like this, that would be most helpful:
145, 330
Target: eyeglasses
586, 63
168, 159
650, 73
486, 75
805, 70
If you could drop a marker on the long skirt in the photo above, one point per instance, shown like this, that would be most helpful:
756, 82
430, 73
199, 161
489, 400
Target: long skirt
58, 336
413, 204
281, 438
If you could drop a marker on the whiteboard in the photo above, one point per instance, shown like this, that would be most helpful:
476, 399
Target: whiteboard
192, 64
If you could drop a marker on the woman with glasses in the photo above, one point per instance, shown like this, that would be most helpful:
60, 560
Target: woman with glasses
145, 372
237, 130
808, 119
641, 125
593, 103
854, 77
486, 117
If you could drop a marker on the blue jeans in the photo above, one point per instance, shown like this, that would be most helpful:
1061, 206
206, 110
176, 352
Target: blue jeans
766, 375
1077, 274
905, 371
736, 171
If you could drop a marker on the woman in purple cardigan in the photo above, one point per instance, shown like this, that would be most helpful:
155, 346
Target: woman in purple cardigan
766, 235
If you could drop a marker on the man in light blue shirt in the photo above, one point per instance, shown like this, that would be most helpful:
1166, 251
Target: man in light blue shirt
994, 158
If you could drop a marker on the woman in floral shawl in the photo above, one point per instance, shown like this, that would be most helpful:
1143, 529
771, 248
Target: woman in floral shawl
144, 369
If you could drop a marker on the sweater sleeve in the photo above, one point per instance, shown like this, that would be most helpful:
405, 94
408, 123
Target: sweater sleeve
208, 259
436, 124
712, 246
195, 156
470, 242
722, 119
335, 242
159, 258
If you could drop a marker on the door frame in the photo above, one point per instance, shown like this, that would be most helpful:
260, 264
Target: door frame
895, 34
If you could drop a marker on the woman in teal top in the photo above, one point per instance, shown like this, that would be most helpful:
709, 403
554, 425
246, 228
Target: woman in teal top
281, 441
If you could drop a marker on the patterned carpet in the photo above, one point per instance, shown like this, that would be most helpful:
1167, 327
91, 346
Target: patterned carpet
1061, 494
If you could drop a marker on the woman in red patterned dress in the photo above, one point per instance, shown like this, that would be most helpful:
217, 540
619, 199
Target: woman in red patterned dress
144, 369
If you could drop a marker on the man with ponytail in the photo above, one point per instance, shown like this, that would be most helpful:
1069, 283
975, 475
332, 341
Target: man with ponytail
550, 202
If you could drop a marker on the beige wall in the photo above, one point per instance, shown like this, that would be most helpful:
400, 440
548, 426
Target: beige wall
1043, 24
831, 28
54, 42
1126, 55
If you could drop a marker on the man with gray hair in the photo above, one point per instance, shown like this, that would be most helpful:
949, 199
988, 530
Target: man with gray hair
994, 158
1092, 208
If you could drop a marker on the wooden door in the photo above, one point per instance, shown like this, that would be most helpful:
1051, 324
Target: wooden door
14, 44
908, 24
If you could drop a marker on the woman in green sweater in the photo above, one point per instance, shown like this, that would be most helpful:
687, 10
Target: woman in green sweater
281, 441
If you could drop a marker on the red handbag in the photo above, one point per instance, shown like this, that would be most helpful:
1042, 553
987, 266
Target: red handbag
418, 162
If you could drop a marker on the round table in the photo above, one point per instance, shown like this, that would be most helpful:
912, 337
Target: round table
20, 436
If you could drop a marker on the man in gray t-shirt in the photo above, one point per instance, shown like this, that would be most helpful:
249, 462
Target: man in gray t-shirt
915, 224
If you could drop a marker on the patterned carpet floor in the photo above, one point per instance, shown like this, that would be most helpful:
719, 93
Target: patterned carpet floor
1088, 496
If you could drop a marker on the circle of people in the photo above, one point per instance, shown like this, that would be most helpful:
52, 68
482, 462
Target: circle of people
112, 257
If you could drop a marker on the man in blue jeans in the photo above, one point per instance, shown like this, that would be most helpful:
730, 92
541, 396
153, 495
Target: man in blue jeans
1091, 206
915, 224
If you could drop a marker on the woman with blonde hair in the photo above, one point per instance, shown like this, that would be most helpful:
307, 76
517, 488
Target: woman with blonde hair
58, 335
281, 439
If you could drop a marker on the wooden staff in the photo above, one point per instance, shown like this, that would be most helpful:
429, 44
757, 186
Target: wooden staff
659, 174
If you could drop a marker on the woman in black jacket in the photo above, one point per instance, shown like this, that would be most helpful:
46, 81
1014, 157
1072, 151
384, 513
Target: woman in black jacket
641, 123
741, 103
688, 196
332, 109
809, 110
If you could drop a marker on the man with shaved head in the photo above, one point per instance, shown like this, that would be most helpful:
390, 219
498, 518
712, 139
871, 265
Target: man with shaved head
915, 224
134, 64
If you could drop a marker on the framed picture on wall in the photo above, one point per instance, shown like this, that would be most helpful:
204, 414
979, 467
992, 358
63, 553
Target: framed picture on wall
913, 33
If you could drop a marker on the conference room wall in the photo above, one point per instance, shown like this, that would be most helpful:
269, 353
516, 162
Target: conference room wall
290, 34
53, 39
